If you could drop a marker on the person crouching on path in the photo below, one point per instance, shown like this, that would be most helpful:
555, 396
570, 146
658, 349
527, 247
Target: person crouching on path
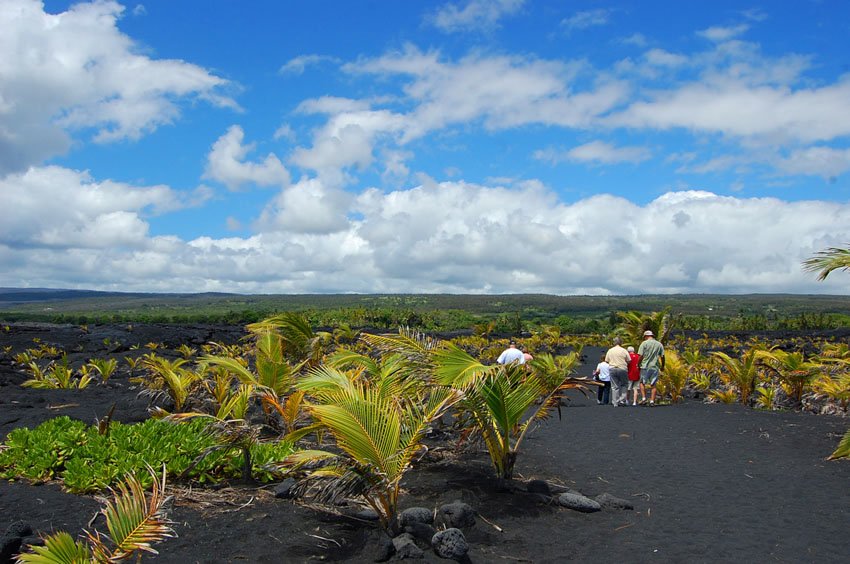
511, 354
634, 374
651, 361
618, 360
602, 374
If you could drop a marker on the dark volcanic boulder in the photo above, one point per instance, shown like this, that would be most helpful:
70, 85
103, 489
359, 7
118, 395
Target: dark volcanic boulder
578, 502
420, 531
415, 515
450, 544
9, 547
456, 515
386, 549
538, 486
11, 542
609, 501
405, 547
285, 489
18, 529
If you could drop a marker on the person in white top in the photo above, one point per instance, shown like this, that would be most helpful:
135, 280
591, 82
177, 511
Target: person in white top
603, 375
511, 354
618, 358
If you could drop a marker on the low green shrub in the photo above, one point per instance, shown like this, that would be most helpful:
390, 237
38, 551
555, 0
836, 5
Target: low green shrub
86, 461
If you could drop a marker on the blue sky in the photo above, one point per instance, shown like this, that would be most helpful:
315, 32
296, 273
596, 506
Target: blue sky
503, 146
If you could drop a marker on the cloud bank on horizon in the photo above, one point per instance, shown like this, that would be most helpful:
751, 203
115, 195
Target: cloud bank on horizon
499, 146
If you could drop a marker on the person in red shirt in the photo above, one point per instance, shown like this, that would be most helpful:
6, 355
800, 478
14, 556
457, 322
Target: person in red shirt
634, 373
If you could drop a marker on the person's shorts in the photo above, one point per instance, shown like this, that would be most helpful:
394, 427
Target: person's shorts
649, 376
634, 384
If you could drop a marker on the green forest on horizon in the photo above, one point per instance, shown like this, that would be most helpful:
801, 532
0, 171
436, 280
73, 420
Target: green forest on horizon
508, 313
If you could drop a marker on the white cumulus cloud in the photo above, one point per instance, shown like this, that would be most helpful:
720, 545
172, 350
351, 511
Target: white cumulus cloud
77, 71
586, 19
442, 237
60, 208
475, 15
226, 163
598, 152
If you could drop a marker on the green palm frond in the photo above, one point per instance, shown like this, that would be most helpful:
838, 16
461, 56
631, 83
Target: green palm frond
235, 405
457, 368
634, 323
500, 399
59, 548
299, 342
415, 347
290, 409
508, 395
843, 450
792, 368
324, 380
345, 358
378, 433
552, 369
134, 521
366, 426
825, 261
742, 373
674, 376
233, 366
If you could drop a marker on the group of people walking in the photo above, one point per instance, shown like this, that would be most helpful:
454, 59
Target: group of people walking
622, 372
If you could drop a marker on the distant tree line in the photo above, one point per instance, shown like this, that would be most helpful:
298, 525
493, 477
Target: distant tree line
446, 320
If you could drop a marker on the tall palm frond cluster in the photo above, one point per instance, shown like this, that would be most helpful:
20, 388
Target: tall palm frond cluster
825, 262
379, 407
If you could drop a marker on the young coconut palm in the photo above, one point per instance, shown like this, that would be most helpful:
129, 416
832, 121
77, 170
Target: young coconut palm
272, 376
835, 386
634, 323
299, 341
742, 373
793, 370
134, 522
169, 377
229, 426
674, 377
504, 401
378, 430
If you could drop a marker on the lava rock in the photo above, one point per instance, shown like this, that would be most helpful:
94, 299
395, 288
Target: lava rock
450, 544
456, 515
611, 502
538, 487
362, 513
557, 488
405, 547
421, 531
386, 549
578, 503
415, 515
540, 498
18, 529
9, 547
285, 489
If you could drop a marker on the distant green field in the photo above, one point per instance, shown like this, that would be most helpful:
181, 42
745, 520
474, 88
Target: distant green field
443, 312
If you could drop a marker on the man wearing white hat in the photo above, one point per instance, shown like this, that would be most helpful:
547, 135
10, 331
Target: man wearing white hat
651, 359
